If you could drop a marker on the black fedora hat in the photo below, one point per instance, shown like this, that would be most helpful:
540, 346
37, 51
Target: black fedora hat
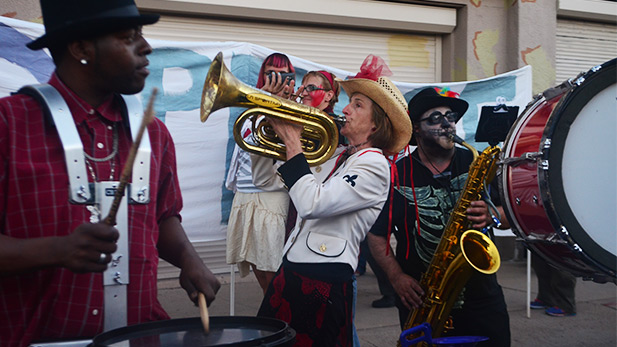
73, 19
429, 98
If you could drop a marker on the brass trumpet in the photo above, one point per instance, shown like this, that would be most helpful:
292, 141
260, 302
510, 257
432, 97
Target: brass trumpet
222, 89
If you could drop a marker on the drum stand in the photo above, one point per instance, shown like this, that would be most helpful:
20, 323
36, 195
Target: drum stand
528, 283
232, 290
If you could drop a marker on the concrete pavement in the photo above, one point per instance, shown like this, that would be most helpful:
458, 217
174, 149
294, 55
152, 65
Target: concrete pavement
594, 325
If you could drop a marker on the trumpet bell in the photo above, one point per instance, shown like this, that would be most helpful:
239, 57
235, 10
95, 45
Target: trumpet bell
222, 89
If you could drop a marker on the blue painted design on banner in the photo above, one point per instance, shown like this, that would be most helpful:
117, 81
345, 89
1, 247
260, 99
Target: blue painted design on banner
197, 66
13, 49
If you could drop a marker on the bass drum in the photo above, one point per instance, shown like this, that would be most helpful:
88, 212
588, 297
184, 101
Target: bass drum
224, 331
559, 175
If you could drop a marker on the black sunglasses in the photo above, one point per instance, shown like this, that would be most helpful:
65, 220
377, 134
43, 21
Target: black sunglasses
437, 117
311, 88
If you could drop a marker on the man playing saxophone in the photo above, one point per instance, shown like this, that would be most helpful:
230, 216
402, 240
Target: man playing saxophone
430, 181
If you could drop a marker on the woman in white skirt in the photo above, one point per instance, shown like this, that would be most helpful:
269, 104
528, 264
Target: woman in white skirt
256, 227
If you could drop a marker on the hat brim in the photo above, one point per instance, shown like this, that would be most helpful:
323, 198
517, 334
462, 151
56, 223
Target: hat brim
457, 105
397, 114
90, 28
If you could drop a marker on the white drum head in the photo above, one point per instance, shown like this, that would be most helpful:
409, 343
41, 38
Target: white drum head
589, 168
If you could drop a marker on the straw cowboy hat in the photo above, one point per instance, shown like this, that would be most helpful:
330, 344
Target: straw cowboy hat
429, 98
385, 94
74, 19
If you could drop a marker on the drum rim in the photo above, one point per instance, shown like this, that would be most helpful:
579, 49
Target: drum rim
537, 246
548, 248
506, 199
552, 191
171, 325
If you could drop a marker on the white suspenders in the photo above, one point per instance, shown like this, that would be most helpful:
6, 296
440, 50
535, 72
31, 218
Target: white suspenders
116, 277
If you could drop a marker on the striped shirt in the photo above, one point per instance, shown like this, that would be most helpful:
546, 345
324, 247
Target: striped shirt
240, 175
34, 202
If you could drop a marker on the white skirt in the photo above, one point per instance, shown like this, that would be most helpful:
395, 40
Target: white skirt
256, 230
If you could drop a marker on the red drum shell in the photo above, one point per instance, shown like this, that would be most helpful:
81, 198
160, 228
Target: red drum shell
224, 331
532, 190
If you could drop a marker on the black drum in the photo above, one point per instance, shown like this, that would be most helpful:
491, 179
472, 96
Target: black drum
224, 331
559, 186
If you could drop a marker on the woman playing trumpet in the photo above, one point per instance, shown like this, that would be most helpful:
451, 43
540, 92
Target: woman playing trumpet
313, 289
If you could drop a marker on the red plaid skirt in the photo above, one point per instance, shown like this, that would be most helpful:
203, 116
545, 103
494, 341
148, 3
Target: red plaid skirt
320, 312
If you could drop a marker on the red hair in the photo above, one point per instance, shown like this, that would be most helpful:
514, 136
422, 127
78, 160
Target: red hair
276, 60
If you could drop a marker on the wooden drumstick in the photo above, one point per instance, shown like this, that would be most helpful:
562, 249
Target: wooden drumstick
128, 166
203, 312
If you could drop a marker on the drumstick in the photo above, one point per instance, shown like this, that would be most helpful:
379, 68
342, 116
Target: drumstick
203, 312
128, 166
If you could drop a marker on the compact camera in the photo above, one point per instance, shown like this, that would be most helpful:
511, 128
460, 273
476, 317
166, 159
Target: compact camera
284, 76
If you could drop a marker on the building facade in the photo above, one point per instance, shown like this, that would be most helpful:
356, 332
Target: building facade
422, 41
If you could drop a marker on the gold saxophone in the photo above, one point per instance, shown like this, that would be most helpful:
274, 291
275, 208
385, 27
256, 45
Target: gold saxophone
459, 252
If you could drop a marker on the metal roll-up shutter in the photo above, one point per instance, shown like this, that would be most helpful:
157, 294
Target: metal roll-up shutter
411, 57
582, 45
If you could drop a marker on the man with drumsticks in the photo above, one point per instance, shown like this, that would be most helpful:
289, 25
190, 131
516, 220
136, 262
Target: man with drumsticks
54, 253
430, 181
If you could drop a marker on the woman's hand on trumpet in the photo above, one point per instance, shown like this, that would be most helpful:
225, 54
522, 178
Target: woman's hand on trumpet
290, 133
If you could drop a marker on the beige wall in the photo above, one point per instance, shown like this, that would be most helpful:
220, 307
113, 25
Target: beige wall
21, 9
490, 36
496, 36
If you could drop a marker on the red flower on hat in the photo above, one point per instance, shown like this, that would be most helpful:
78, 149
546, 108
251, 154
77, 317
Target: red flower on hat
445, 91
373, 67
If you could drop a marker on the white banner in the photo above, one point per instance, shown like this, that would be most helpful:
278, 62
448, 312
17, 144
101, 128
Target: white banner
178, 70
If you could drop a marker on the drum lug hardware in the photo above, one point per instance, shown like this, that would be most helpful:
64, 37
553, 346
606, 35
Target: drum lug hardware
527, 156
578, 80
564, 231
544, 164
547, 144
551, 239
535, 199
518, 201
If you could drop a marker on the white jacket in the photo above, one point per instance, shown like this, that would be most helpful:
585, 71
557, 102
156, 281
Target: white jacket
333, 216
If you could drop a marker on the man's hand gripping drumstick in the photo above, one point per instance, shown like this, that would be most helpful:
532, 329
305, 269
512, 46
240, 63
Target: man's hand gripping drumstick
124, 178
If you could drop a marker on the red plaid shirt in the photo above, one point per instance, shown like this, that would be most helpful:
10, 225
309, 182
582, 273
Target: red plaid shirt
55, 302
